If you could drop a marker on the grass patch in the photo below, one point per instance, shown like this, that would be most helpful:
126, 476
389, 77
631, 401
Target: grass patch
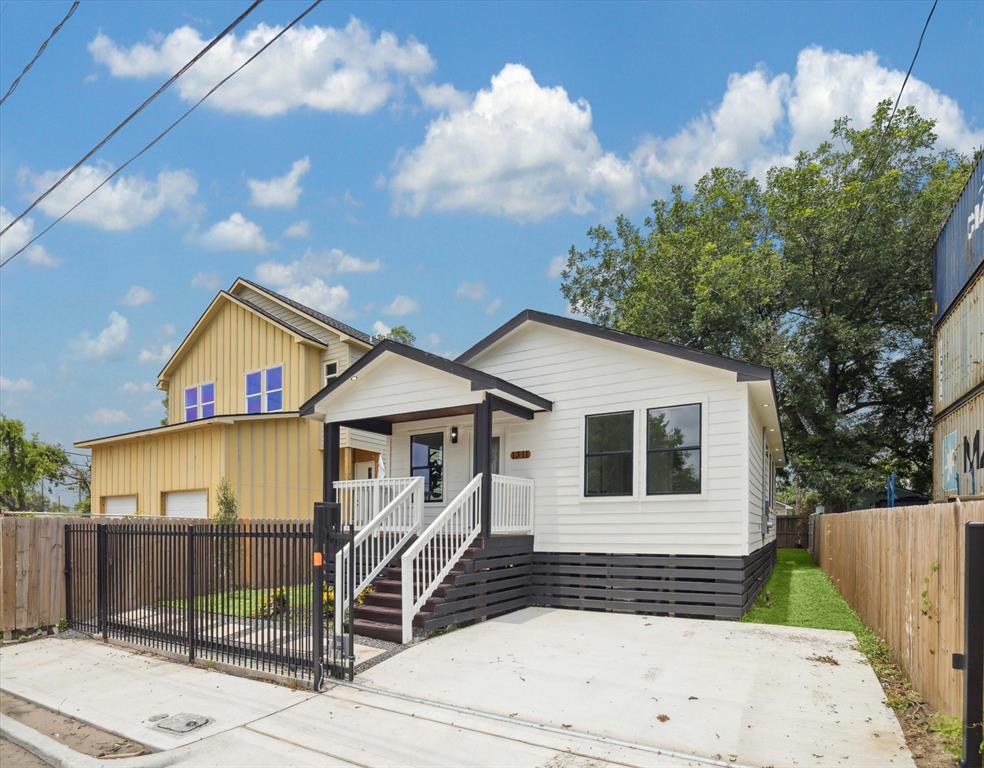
247, 603
799, 594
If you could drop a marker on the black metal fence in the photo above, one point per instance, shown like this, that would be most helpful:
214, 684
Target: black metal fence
250, 594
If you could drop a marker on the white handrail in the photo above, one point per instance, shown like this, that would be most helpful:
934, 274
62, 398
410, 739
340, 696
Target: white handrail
378, 542
432, 556
362, 500
512, 504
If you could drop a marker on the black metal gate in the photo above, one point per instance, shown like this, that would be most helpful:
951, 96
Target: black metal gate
249, 594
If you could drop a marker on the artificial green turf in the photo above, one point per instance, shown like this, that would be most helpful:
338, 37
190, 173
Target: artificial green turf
799, 594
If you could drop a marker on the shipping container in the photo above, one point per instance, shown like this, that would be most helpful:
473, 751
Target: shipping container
959, 250
958, 348
958, 450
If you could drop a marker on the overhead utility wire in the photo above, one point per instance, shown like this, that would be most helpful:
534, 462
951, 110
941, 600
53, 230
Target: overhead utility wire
888, 127
55, 31
167, 130
134, 113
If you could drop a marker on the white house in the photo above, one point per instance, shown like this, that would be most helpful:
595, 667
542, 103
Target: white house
557, 463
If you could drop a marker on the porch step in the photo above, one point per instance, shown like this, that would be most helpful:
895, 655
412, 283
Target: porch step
378, 613
379, 630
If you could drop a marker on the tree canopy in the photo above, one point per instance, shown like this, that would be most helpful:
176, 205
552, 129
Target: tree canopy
401, 334
823, 273
25, 462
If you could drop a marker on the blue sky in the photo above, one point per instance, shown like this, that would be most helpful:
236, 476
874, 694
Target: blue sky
394, 163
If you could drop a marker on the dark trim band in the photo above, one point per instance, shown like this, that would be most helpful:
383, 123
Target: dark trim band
957, 403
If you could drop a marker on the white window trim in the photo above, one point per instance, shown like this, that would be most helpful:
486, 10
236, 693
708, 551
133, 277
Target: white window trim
445, 432
263, 388
198, 401
324, 375
639, 453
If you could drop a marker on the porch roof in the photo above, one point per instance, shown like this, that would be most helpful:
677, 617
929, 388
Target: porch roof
506, 395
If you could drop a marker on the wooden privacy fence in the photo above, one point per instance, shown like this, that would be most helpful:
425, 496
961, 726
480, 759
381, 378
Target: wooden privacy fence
902, 571
32, 564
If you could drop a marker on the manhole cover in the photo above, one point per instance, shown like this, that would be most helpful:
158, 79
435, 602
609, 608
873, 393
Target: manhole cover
183, 722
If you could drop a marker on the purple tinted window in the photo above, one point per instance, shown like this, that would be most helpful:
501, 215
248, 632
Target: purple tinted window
191, 413
208, 410
253, 404
275, 378
253, 383
275, 401
208, 393
191, 396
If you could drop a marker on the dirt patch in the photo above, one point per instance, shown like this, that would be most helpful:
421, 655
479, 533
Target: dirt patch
12, 756
74, 734
824, 660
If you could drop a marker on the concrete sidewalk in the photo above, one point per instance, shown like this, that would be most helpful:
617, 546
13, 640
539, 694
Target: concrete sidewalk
260, 724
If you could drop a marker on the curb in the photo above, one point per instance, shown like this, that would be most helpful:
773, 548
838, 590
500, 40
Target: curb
58, 755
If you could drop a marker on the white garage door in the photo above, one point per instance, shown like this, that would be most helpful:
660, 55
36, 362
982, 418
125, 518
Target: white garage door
119, 505
186, 504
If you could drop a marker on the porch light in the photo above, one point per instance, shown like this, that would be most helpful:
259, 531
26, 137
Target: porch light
454, 435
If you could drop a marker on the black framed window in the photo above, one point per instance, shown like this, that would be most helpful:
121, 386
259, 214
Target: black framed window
673, 450
608, 454
427, 461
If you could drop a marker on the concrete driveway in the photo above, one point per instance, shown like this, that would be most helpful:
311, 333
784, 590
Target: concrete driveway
741, 693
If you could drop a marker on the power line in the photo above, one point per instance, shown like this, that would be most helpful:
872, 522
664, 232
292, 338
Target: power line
167, 130
888, 127
55, 31
134, 113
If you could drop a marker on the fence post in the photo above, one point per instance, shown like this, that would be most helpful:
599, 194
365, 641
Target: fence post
319, 532
190, 598
971, 661
66, 533
102, 576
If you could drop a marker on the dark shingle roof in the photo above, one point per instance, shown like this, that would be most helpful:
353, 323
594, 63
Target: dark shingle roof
345, 328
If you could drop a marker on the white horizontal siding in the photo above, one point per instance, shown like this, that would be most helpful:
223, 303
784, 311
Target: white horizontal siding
583, 375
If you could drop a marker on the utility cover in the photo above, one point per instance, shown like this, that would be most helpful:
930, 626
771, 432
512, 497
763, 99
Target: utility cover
183, 722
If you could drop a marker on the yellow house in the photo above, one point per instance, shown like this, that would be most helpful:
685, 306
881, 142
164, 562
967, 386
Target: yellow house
234, 387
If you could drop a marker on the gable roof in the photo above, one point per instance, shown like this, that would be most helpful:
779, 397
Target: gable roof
478, 379
220, 298
746, 371
338, 325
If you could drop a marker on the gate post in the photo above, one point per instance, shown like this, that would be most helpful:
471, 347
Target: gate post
190, 598
319, 540
971, 661
67, 548
102, 577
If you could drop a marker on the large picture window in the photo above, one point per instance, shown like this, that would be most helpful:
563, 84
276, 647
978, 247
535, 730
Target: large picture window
608, 454
427, 461
265, 390
673, 450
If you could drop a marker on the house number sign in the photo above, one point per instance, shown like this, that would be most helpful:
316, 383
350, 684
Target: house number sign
520, 455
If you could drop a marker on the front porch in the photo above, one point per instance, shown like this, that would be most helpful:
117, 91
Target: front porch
444, 500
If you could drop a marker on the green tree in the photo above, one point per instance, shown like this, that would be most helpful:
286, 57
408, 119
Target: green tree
25, 462
401, 334
823, 274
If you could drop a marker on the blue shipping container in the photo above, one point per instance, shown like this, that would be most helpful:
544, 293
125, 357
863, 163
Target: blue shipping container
959, 250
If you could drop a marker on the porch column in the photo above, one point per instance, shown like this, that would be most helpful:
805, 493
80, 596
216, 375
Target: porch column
483, 459
332, 454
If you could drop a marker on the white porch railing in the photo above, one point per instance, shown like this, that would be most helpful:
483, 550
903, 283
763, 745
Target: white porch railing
378, 541
512, 504
432, 556
362, 500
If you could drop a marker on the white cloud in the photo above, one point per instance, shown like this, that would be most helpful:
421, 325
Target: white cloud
134, 387
137, 296
322, 68
519, 150
15, 385
557, 266
19, 235
317, 294
237, 233
493, 306
445, 97
107, 416
208, 280
400, 306
105, 344
168, 329
432, 339
156, 353
380, 328
313, 264
764, 120
298, 230
125, 203
473, 291
280, 191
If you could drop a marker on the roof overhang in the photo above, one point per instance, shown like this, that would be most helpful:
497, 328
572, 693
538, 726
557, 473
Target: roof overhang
508, 396
184, 426
221, 298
